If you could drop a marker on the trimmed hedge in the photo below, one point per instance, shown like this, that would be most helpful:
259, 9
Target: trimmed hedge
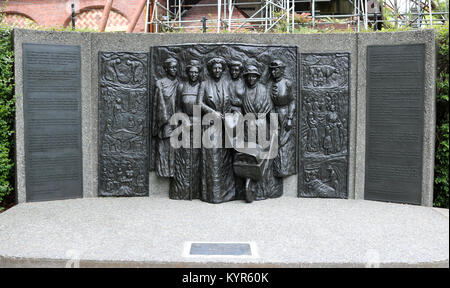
7, 113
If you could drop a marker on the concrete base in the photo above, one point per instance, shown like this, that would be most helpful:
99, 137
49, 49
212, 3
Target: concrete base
288, 232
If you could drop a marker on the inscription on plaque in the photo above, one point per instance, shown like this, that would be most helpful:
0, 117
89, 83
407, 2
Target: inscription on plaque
324, 125
123, 124
52, 113
223, 249
394, 123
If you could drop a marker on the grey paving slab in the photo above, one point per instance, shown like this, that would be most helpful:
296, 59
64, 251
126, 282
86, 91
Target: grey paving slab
288, 232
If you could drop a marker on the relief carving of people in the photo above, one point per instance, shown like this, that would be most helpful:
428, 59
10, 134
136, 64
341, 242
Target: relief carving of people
317, 186
165, 95
332, 141
312, 144
186, 183
236, 85
257, 100
123, 123
284, 105
325, 103
218, 183
219, 173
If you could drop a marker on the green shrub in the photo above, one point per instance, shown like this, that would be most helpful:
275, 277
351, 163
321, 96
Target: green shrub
7, 113
441, 173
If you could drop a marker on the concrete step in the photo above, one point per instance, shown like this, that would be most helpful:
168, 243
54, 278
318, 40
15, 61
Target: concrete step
284, 232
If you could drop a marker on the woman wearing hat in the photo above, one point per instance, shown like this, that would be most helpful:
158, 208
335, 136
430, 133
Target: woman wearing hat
256, 100
282, 95
186, 181
217, 162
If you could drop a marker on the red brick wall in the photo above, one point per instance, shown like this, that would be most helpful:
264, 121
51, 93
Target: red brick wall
92, 17
58, 12
18, 20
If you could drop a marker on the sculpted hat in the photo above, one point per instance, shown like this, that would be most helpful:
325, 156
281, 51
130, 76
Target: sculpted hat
252, 70
235, 63
216, 60
170, 60
277, 64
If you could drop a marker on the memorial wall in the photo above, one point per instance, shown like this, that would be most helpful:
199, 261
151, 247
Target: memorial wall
347, 116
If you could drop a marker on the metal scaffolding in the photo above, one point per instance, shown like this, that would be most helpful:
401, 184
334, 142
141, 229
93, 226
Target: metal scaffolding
167, 15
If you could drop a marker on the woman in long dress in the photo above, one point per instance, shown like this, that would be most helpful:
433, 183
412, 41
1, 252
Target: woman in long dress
186, 183
256, 100
165, 96
332, 141
218, 183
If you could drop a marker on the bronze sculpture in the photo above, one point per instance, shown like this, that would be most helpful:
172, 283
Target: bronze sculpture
325, 101
236, 85
257, 101
186, 181
221, 173
165, 95
192, 80
123, 124
218, 184
284, 105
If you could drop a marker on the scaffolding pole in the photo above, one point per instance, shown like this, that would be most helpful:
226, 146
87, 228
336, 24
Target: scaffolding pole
313, 13
268, 14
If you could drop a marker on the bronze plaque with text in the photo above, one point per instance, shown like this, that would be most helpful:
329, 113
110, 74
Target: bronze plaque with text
52, 113
395, 121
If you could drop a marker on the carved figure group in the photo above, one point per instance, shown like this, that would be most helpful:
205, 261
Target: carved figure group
123, 125
326, 132
207, 173
123, 179
323, 125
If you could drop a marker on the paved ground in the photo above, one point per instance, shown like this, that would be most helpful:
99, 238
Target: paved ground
288, 232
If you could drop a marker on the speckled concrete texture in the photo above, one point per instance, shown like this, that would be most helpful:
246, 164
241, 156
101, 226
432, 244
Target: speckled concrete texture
288, 232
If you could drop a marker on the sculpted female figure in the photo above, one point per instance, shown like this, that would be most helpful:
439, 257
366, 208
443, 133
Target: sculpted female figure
284, 105
332, 141
217, 162
312, 144
256, 100
186, 183
236, 85
165, 96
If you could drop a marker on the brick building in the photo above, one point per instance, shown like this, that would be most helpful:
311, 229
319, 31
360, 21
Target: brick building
22, 13
58, 13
